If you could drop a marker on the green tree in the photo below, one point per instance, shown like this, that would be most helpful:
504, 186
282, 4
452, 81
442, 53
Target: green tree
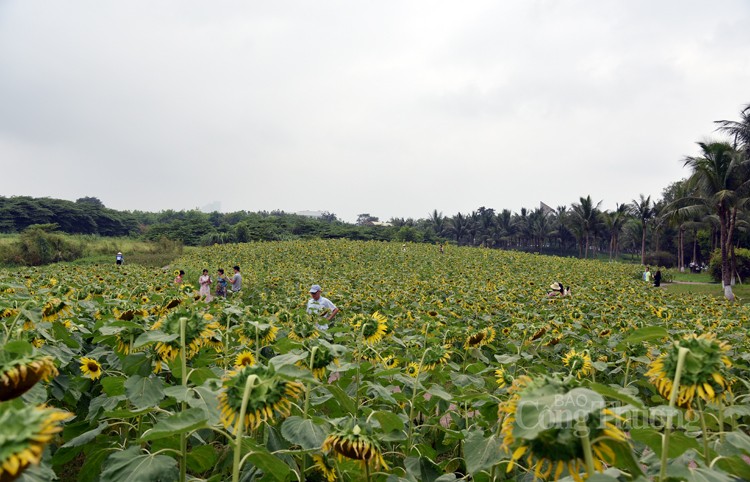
585, 218
643, 211
614, 221
720, 181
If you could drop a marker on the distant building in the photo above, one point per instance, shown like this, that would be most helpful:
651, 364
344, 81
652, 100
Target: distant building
546, 209
381, 223
311, 214
211, 207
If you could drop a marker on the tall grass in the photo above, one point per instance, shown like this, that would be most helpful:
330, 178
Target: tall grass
101, 250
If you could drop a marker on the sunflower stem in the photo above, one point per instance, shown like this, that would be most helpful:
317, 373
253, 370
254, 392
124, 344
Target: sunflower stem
13, 325
307, 404
704, 430
413, 401
582, 431
226, 344
681, 355
249, 384
183, 436
627, 372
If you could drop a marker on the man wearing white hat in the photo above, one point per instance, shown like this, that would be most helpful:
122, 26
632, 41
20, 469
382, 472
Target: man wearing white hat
119, 259
320, 305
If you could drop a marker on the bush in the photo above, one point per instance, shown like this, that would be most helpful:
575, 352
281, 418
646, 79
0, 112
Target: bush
40, 244
661, 258
742, 257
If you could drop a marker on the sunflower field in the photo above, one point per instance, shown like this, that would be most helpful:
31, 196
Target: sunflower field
440, 366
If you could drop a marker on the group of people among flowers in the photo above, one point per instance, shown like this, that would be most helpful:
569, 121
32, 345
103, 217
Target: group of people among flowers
222, 282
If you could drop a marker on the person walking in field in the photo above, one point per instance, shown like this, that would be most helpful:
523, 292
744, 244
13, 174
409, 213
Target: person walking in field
320, 305
236, 280
205, 282
657, 278
119, 259
647, 275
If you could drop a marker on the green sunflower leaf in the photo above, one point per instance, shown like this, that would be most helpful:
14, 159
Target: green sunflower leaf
481, 453
86, 437
144, 392
179, 423
131, 464
679, 443
303, 432
154, 336
616, 394
645, 334
422, 468
202, 458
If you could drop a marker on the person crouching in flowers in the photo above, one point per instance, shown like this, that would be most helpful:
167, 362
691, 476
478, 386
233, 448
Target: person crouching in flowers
558, 290
178, 278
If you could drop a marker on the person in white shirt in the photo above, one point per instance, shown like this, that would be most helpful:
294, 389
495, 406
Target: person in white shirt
320, 305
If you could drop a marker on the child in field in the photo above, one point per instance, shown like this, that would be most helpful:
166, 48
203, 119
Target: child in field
205, 282
221, 284
178, 278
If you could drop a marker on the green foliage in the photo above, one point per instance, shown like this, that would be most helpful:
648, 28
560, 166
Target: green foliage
661, 258
742, 257
40, 244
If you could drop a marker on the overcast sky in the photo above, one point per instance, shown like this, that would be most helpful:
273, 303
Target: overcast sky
392, 108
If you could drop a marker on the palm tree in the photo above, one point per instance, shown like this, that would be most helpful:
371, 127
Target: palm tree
739, 130
539, 227
721, 181
643, 211
505, 226
585, 218
614, 221
458, 226
437, 220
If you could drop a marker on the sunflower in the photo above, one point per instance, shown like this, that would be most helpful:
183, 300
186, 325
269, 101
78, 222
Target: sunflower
19, 373
25, 431
125, 339
436, 355
90, 368
244, 358
264, 333
578, 362
539, 333
324, 468
373, 329
355, 440
322, 358
703, 373
270, 394
303, 329
412, 369
479, 338
556, 446
198, 332
54, 309
389, 361
503, 377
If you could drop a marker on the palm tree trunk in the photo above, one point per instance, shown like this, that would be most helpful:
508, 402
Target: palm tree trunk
643, 245
726, 272
695, 245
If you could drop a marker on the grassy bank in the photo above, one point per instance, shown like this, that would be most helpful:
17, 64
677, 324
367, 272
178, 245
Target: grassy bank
102, 250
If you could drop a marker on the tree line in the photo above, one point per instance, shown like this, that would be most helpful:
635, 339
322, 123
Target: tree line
694, 217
